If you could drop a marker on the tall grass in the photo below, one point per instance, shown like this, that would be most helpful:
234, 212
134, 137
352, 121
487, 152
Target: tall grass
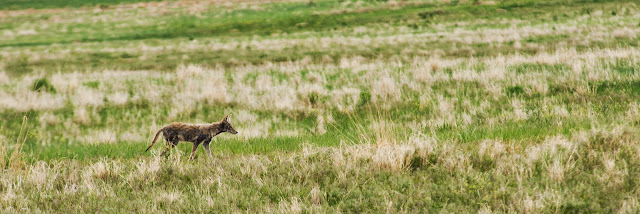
11, 155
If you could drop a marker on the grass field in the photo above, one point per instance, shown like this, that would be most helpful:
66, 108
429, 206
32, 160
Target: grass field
452, 106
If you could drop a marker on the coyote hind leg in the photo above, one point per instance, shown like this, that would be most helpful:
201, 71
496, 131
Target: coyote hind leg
171, 143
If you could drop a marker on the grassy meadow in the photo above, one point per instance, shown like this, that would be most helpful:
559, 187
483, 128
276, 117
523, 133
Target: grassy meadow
428, 106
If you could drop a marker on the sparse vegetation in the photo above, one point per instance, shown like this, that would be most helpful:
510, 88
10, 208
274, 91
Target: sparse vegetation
43, 84
352, 106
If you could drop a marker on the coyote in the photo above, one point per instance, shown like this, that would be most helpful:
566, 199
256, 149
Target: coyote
196, 133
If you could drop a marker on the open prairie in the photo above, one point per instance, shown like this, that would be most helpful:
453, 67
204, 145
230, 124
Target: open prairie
453, 106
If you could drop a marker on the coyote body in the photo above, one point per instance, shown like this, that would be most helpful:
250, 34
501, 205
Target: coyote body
195, 133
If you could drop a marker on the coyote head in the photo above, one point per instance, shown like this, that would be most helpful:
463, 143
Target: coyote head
226, 125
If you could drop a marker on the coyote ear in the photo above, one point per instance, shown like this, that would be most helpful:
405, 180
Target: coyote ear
226, 119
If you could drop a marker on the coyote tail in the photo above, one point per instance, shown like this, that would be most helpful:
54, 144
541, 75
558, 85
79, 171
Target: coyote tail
154, 139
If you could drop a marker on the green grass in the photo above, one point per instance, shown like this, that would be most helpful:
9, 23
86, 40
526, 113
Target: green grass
280, 20
41, 4
341, 106
129, 150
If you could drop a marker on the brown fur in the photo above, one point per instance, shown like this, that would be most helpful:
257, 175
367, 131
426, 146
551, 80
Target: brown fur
195, 133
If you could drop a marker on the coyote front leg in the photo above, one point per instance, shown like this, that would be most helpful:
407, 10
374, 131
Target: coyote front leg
206, 147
